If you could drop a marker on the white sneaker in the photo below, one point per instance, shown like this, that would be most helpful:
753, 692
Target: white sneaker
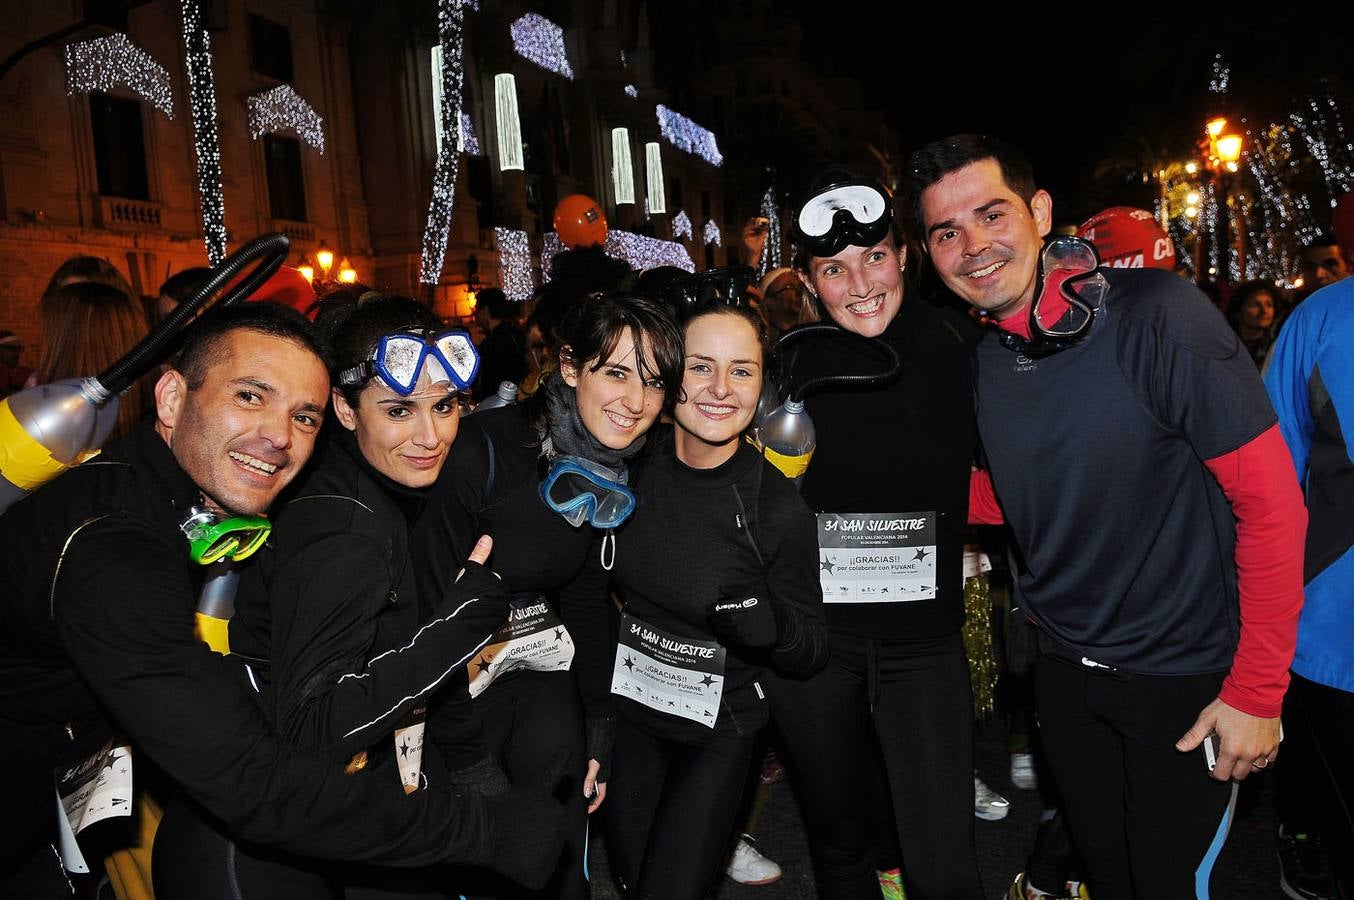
1022, 771
747, 866
988, 805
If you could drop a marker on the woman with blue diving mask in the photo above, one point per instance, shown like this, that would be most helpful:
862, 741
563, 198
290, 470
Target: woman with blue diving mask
346, 656
547, 480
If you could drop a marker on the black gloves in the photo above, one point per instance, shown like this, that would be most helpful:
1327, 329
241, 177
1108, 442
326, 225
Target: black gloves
528, 826
477, 582
745, 617
601, 737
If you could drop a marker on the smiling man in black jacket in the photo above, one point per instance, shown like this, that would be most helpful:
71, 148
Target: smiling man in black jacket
97, 594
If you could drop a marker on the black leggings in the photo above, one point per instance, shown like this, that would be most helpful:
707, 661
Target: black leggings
1322, 718
1147, 819
912, 701
527, 718
670, 810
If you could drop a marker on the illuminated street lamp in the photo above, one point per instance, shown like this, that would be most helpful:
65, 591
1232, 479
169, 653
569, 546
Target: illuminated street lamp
325, 257
306, 269
346, 273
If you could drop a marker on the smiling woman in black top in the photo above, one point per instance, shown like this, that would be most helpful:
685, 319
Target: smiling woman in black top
718, 573
620, 366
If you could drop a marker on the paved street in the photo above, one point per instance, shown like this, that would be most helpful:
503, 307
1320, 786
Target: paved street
1247, 869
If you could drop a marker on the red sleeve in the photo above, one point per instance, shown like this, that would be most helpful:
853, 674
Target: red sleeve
1271, 524
983, 508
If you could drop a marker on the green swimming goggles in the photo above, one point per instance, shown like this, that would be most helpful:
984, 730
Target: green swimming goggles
211, 537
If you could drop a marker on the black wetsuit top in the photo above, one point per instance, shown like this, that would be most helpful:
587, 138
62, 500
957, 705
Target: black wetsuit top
97, 601
330, 612
903, 447
535, 551
696, 531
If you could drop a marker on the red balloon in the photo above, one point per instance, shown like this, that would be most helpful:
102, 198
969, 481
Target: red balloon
579, 221
1128, 238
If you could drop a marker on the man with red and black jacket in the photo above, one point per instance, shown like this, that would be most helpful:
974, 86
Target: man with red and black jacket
1130, 446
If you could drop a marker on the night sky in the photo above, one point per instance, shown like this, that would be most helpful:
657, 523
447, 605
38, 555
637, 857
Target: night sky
1134, 86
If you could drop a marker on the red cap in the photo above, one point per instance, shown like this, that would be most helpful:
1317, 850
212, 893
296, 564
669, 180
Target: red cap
1128, 238
286, 286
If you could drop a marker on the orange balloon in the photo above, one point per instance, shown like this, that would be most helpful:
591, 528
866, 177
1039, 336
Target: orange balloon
579, 221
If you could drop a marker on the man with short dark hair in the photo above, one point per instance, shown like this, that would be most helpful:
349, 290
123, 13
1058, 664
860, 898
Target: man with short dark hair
503, 350
97, 599
1157, 519
178, 288
1321, 264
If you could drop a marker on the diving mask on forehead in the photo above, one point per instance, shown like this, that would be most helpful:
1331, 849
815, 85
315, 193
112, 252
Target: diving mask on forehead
1068, 272
400, 358
843, 214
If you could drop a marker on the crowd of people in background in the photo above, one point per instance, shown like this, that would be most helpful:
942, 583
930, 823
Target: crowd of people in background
535, 570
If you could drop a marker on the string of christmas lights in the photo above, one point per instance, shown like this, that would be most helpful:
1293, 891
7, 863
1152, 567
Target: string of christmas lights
450, 18
771, 249
710, 233
681, 225
685, 134
281, 108
539, 40
470, 141
514, 263
1222, 73
640, 251
206, 141
115, 62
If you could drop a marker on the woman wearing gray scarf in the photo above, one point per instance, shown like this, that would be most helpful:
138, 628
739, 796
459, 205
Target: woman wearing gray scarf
547, 480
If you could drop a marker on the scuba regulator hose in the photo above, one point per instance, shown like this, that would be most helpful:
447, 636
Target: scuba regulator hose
49, 428
786, 435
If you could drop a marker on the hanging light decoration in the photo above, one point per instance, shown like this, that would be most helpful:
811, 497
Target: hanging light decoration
514, 263
470, 141
622, 166
685, 134
206, 140
539, 40
467, 139
681, 225
631, 91
438, 226
655, 200
509, 123
710, 233
639, 251
113, 61
771, 249
281, 108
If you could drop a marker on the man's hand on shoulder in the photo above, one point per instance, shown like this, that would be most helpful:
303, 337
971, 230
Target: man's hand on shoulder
1246, 743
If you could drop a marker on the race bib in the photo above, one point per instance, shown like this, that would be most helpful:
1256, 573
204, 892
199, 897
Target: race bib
98, 788
674, 675
409, 749
976, 562
877, 557
533, 638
